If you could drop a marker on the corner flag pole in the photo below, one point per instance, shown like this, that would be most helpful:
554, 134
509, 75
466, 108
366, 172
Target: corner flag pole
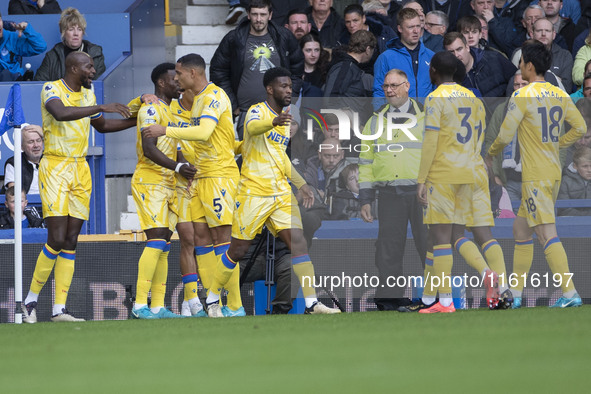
13, 118
18, 227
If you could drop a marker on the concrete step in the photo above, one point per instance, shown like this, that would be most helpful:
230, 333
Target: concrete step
206, 15
203, 34
206, 51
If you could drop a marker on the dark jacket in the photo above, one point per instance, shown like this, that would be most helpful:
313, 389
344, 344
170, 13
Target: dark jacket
455, 9
228, 60
343, 205
490, 73
27, 172
573, 186
433, 42
503, 28
33, 219
26, 7
331, 30
53, 66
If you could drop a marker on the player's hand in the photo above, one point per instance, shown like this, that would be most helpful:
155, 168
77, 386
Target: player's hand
149, 98
188, 171
422, 194
283, 119
154, 131
20, 27
307, 195
488, 15
488, 160
366, 213
116, 108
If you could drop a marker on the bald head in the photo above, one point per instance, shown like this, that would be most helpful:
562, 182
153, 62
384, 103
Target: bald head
76, 58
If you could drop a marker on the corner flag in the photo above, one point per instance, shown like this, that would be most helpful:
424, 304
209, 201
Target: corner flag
13, 112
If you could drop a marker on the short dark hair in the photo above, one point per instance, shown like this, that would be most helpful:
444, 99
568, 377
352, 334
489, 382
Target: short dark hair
450, 37
586, 78
468, 22
460, 73
331, 119
160, 70
259, 4
536, 53
297, 11
354, 8
445, 64
192, 60
360, 40
274, 73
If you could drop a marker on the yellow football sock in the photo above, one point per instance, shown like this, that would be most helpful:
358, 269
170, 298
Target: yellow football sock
496, 261
442, 265
45, 263
158, 288
222, 275
304, 270
233, 298
471, 254
429, 290
190, 286
206, 264
64, 271
523, 256
146, 267
558, 262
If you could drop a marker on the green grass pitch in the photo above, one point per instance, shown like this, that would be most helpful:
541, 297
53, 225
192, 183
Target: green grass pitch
532, 350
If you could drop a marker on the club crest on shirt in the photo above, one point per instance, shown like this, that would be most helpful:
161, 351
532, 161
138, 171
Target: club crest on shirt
151, 111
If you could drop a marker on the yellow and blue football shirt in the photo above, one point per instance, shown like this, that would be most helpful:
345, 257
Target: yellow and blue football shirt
537, 113
214, 157
264, 171
146, 171
66, 138
457, 117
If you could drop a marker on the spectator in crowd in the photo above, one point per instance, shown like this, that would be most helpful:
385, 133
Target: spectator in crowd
487, 71
376, 7
300, 149
581, 60
72, 29
282, 8
298, 23
570, 9
355, 20
471, 29
235, 13
344, 204
391, 8
30, 218
432, 41
322, 174
24, 41
576, 182
33, 7
408, 54
436, 22
326, 22
563, 26
32, 146
562, 60
281, 303
346, 83
394, 176
315, 66
504, 21
585, 90
454, 9
245, 53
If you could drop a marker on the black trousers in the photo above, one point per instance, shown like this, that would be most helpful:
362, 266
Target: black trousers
395, 210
